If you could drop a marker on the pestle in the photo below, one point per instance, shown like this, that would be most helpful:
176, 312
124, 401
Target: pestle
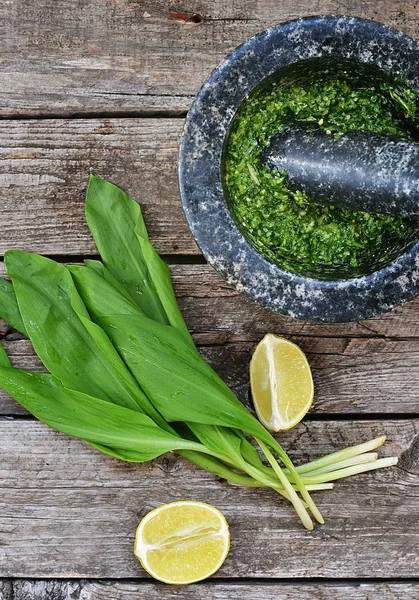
357, 170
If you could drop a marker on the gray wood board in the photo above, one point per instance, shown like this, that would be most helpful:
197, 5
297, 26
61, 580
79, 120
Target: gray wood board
65, 57
217, 314
111, 590
72, 512
351, 375
44, 172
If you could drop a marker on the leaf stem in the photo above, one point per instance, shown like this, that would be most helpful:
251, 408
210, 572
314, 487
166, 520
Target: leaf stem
298, 505
367, 457
330, 459
295, 477
355, 470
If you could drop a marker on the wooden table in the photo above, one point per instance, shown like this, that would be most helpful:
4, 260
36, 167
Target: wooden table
103, 86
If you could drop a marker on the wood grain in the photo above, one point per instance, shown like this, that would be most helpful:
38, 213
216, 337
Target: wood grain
44, 172
217, 314
131, 56
72, 512
351, 375
112, 590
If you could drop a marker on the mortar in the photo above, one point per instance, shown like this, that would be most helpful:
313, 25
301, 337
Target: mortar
305, 45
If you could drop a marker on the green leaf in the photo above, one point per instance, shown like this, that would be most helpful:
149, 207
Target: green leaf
121, 433
101, 298
68, 343
115, 220
4, 359
9, 310
180, 384
160, 275
213, 465
177, 380
231, 442
97, 421
95, 289
128, 255
218, 439
251, 456
101, 270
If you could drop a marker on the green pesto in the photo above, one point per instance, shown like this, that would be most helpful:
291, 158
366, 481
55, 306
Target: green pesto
285, 226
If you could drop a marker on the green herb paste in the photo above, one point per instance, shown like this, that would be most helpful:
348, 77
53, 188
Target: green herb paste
285, 226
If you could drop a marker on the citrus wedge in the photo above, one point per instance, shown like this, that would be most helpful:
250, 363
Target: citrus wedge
182, 542
281, 383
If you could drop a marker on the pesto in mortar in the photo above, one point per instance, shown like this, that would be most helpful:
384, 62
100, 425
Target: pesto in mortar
285, 226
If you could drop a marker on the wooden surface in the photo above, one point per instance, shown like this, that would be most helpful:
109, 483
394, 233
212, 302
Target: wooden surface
346, 376
67, 57
103, 590
103, 86
60, 491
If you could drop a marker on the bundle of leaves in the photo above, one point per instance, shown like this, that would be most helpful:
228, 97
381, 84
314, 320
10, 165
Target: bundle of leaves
123, 372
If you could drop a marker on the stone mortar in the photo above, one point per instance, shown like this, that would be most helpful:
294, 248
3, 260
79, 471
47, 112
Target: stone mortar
200, 169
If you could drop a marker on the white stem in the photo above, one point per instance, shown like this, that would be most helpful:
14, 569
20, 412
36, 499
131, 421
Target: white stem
355, 470
329, 459
349, 462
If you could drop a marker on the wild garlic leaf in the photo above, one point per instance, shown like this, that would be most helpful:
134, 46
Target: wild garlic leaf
230, 442
100, 268
114, 220
9, 310
218, 439
97, 421
128, 254
68, 343
218, 467
177, 380
160, 275
251, 456
95, 290
102, 299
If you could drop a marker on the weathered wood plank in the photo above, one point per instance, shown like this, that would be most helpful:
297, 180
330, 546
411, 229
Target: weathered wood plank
72, 512
44, 171
67, 57
111, 590
6, 590
217, 314
351, 375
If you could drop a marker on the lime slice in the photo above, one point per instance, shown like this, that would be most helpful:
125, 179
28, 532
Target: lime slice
182, 542
281, 383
